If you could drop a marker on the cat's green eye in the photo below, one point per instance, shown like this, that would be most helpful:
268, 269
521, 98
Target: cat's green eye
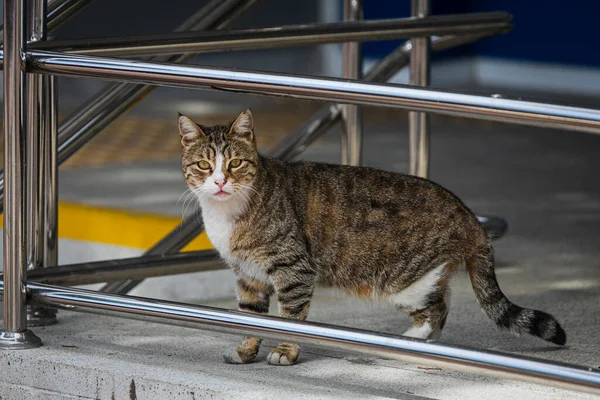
203, 164
235, 163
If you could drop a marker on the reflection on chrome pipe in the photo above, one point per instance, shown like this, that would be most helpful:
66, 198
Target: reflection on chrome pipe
15, 334
418, 122
305, 87
15, 243
36, 129
50, 257
352, 124
285, 36
128, 268
495, 364
38, 120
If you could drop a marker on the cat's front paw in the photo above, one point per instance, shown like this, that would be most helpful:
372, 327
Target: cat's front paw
284, 354
238, 356
245, 352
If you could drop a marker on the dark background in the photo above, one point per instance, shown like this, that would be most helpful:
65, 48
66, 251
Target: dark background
551, 31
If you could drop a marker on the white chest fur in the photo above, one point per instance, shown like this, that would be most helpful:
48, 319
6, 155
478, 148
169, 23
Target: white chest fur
219, 223
219, 227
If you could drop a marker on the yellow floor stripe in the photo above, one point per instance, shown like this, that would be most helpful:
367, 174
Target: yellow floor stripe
118, 227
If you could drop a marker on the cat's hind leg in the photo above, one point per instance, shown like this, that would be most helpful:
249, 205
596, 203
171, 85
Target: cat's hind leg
253, 296
427, 301
429, 322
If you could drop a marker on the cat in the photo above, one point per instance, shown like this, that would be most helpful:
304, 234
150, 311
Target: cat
284, 227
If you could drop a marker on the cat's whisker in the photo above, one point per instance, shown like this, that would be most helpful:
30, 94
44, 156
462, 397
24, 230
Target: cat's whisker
188, 200
247, 191
183, 194
195, 193
246, 186
251, 188
246, 196
188, 196
183, 198
182, 212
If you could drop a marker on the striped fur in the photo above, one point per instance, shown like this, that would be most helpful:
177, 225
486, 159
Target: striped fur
285, 227
502, 311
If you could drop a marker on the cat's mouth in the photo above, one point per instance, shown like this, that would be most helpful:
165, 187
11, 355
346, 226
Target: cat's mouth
222, 194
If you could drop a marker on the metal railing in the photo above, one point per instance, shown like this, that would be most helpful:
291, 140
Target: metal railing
30, 237
331, 336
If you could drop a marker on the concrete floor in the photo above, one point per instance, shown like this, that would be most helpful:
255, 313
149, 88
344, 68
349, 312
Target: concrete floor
543, 181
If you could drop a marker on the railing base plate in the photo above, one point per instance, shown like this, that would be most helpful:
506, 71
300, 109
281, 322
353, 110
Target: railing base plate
19, 340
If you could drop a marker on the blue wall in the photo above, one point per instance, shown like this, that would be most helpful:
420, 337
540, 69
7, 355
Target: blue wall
551, 31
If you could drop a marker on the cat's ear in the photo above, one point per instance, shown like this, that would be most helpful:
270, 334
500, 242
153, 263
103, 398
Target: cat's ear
243, 126
189, 131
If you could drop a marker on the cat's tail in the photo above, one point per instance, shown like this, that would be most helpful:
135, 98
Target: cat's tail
502, 311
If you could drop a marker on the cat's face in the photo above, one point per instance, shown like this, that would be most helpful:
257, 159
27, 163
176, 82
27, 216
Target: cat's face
219, 162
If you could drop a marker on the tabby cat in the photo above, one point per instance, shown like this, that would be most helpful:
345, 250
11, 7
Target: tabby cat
284, 227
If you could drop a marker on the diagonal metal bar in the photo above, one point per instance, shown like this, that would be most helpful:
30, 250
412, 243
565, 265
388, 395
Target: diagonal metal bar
93, 116
62, 11
294, 144
176, 240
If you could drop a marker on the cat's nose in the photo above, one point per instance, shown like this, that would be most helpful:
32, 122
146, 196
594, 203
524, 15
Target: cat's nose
220, 183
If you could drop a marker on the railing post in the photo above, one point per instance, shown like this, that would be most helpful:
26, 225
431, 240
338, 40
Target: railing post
418, 122
15, 334
352, 69
50, 258
38, 129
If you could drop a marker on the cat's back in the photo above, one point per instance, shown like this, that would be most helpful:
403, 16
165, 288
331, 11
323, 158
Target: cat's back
333, 183
349, 206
